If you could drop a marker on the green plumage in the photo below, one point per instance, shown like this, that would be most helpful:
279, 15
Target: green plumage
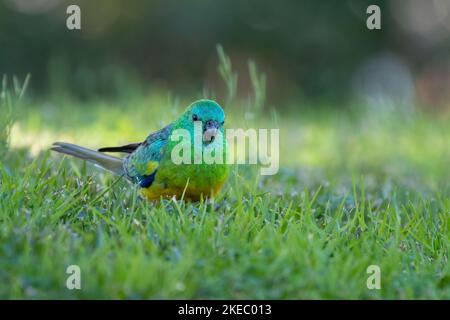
172, 179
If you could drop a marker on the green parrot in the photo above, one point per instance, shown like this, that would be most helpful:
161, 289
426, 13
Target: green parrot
150, 164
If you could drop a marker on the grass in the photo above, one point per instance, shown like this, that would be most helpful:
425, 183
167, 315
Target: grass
7, 100
350, 193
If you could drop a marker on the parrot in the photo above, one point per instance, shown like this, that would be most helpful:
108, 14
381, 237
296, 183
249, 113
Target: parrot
150, 166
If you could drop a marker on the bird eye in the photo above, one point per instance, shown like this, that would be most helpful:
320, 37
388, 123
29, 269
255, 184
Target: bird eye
223, 122
194, 117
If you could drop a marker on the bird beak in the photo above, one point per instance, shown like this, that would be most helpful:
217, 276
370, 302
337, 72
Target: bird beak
210, 131
209, 135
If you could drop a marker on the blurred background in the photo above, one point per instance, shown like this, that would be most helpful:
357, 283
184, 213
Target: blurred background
309, 50
347, 100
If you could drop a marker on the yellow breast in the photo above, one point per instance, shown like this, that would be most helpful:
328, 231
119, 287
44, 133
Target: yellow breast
157, 191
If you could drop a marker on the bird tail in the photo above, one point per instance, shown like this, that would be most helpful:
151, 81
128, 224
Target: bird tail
99, 159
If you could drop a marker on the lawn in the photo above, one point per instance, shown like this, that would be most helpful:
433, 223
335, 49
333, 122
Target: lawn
356, 187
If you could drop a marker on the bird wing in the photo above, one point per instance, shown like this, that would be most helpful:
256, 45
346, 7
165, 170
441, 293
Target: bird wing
141, 165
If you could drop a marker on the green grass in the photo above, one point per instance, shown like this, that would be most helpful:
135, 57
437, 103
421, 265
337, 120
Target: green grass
353, 190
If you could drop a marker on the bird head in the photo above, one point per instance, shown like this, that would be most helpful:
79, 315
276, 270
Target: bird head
209, 114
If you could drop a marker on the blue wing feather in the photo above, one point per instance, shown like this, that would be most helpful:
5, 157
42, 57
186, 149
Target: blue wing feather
150, 151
